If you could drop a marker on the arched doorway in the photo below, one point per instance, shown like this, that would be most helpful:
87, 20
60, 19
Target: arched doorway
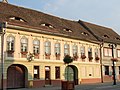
17, 76
71, 73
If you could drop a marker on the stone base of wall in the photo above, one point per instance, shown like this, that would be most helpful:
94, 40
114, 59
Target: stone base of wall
41, 83
107, 78
4, 84
90, 80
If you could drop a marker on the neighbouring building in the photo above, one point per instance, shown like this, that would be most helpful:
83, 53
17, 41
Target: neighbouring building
35, 44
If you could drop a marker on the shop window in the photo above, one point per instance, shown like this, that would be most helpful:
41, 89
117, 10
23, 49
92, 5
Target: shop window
36, 47
66, 49
106, 70
57, 51
10, 46
57, 72
36, 72
47, 49
107, 52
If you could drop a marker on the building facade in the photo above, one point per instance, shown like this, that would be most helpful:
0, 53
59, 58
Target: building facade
36, 44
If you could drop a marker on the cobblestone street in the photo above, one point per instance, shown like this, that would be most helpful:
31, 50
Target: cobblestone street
101, 86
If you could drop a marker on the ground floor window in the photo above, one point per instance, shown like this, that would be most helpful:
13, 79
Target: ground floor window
106, 70
36, 72
57, 72
119, 69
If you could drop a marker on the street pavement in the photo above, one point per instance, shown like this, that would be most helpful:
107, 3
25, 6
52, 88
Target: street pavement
100, 86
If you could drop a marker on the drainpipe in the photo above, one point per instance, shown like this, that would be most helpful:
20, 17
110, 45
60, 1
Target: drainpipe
2, 31
101, 65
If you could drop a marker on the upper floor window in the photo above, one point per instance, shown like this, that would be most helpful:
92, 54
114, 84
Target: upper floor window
36, 46
82, 50
10, 46
96, 52
107, 52
90, 53
24, 44
47, 47
10, 43
75, 50
118, 52
66, 49
57, 48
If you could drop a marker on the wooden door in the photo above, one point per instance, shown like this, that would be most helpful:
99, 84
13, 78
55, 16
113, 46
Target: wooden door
47, 76
15, 77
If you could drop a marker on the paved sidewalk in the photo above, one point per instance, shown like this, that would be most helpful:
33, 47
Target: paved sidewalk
100, 86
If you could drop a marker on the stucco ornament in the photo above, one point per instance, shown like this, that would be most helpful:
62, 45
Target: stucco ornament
30, 57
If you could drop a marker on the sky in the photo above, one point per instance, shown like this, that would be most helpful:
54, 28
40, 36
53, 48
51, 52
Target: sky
101, 12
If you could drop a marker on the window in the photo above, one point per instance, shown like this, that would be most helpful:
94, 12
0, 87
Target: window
66, 49
47, 25
106, 70
47, 49
107, 52
36, 47
10, 46
57, 51
96, 52
118, 52
67, 30
36, 72
84, 33
57, 72
24, 47
17, 19
90, 53
75, 52
24, 44
82, 50
57, 48
10, 43
106, 36
119, 69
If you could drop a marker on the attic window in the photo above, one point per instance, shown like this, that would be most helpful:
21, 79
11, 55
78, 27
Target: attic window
117, 38
48, 25
106, 36
84, 33
67, 30
17, 18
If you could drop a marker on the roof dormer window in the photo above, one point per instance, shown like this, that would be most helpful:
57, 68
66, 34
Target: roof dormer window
17, 19
45, 24
84, 33
106, 36
117, 38
67, 30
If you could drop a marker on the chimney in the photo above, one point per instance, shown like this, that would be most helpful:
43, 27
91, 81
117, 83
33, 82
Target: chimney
4, 1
